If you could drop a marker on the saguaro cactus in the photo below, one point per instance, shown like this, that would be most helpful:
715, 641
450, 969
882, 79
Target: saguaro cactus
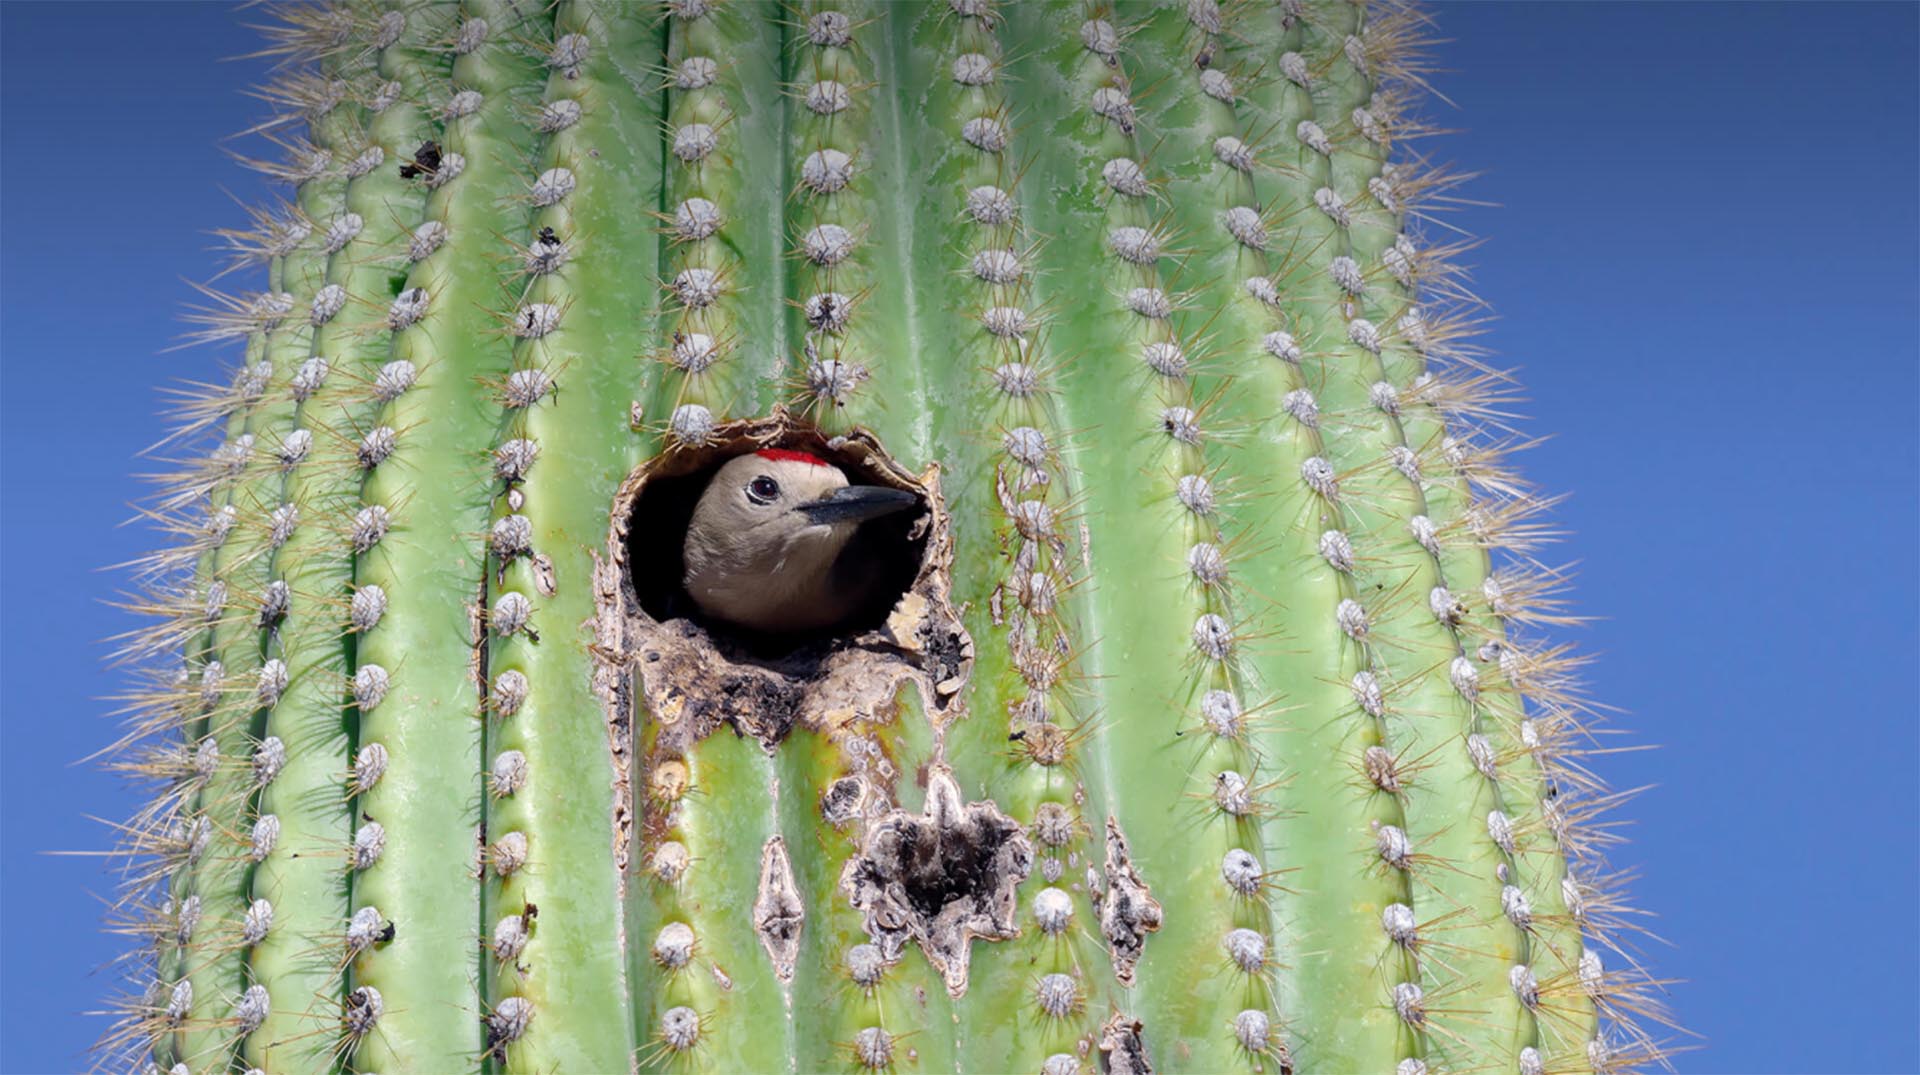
1206, 733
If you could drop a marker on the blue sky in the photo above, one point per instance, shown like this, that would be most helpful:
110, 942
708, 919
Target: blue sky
1703, 257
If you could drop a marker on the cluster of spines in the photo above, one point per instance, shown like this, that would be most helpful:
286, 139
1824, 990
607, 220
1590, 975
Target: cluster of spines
720, 268
1530, 727
1329, 673
377, 426
1273, 485
204, 891
1543, 973
511, 609
418, 737
830, 210
324, 843
703, 288
846, 316
697, 961
1176, 348
281, 605
1429, 528
298, 826
1405, 692
579, 276
309, 435
255, 560
380, 754
1028, 726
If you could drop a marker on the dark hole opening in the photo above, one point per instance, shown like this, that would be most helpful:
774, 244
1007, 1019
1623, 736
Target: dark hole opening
936, 868
892, 546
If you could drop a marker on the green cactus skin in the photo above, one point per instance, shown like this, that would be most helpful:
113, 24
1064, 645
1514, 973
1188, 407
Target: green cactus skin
1240, 754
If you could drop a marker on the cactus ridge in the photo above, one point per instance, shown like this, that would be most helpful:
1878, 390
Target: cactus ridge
1214, 732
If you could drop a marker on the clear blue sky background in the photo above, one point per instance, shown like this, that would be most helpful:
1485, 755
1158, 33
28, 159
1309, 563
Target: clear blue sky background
1704, 257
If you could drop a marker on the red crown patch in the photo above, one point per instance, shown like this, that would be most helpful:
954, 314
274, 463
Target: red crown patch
792, 456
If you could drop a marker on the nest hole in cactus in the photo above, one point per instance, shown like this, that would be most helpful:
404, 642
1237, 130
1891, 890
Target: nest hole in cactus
891, 547
696, 673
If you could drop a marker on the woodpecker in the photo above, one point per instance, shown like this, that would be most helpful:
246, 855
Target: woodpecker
769, 545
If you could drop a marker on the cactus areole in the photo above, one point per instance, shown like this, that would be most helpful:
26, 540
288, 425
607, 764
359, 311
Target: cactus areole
1197, 722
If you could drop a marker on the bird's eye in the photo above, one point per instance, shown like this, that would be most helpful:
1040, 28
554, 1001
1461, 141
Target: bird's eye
763, 490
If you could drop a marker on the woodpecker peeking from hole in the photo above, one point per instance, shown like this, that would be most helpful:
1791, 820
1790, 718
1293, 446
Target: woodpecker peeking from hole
769, 547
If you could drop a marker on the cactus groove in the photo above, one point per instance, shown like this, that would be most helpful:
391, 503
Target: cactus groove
1215, 731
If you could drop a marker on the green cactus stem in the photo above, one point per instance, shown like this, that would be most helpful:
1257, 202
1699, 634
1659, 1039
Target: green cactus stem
1211, 727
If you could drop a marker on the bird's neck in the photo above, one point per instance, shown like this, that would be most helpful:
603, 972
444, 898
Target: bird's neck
793, 582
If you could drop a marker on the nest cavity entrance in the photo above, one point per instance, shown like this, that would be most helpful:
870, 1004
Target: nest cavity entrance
692, 676
894, 546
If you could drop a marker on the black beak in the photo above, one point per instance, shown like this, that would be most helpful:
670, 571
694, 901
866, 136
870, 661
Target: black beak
856, 503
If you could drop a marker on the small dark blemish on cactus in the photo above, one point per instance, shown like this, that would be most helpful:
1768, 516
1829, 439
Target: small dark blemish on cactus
545, 254
426, 161
1182, 424
363, 1009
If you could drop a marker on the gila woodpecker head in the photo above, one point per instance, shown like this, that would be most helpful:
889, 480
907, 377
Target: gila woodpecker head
768, 547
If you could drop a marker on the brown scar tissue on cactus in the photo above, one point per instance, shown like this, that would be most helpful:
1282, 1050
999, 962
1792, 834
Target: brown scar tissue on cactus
964, 536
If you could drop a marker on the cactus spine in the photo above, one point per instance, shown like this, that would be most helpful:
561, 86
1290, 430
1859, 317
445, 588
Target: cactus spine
1237, 755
